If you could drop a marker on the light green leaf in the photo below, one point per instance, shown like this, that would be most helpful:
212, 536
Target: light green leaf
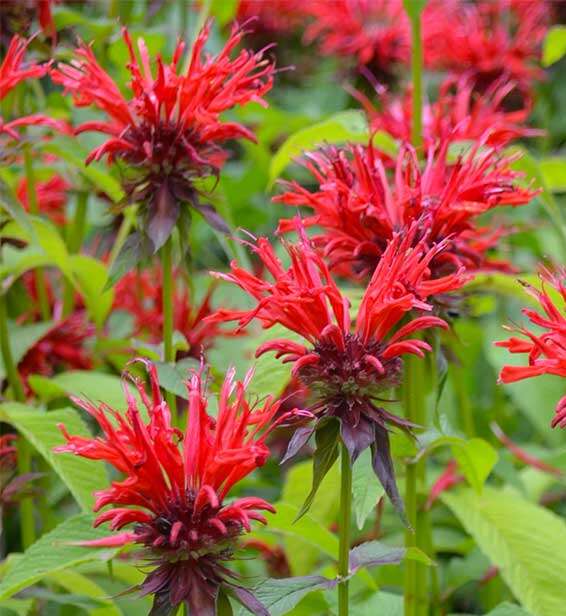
476, 459
22, 338
345, 126
554, 173
91, 277
371, 604
366, 489
508, 609
16, 607
525, 541
223, 10
52, 553
83, 477
554, 46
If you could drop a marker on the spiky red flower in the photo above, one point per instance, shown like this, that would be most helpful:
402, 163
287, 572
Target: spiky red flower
460, 113
141, 294
272, 16
374, 33
169, 133
488, 39
51, 197
175, 485
13, 71
62, 346
359, 208
546, 350
346, 367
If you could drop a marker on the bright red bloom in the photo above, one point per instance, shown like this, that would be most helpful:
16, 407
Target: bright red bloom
360, 209
62, 346
546, 350
176, 484
271, 16
141, 294
459, 114
12, 72
51, 197
488, 39
375, 33
346, 367
169, 132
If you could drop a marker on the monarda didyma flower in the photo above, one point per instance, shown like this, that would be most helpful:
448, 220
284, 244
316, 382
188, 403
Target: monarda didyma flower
169, 133
546, 349
175, 485
347, 368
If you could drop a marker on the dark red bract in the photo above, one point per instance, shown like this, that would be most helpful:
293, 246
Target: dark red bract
175, 484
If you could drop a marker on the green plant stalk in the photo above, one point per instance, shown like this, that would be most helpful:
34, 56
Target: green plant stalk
27, 523
417, 81
42, 294
464, 406
167, 301
344, 529
128, 220
76, 233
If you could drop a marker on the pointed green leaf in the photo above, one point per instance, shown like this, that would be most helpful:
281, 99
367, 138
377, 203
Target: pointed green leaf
366, 489
554, 46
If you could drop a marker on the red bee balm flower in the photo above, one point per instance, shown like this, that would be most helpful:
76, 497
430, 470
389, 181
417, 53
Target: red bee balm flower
359, 208
51, 197
169, 133
175, 486
546, 350
346, 368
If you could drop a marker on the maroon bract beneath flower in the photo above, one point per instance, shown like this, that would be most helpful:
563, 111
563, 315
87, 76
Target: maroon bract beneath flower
489, 39
51, 197
16, 17
175, 485
546, 350
346, 368
373, 33
141, 294
360, 208
169, 132
62, 346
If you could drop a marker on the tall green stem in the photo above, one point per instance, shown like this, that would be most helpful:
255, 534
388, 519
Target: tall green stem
42, 294
75, 238
417, 80
344, 529
167, 300
27, 523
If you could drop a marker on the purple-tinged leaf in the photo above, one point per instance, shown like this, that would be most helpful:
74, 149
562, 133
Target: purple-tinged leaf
134, 249
297, 442
247, 598
162, 605
374, 553
357, 438
211, 216
161, 216
383, 468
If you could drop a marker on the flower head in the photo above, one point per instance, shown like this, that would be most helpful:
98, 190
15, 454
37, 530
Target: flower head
141, 294
347, 367
374, 33
62, 346
175, 485
169, 133
546, 349
273, 17
51, 197
16, 17
359, 208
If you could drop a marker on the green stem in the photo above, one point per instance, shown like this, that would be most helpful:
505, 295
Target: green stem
126, 226
344, 529
27, 523
417, 80
42, 294
167, 301
463, 398
76, 233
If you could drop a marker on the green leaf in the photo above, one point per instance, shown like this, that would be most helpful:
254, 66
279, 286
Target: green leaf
134, 250
366, 489
16, 607
52, 553
375, 553
476, 459
10, 203
91, 277
224, 11
83, 477
345, 126
324, 456
508, 609
554, 173
554, 46
173, 377
525, 541
370, 604
22, 338
306, 528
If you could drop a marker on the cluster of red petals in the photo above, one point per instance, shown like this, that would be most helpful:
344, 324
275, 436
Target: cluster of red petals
305, 299
173, 116
272, 17
359, 207
488, 39
546, 349
13, 71
460, 113
62, 346
175, 482
51, 197
374, 32
140, 293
